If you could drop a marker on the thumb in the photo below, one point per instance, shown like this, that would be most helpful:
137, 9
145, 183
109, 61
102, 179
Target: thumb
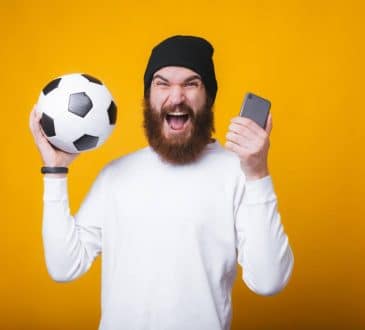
268, 126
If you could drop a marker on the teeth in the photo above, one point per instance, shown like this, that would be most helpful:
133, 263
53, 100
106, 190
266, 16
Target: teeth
177, 113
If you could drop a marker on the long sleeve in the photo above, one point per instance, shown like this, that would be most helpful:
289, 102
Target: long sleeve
71, 243
263, 247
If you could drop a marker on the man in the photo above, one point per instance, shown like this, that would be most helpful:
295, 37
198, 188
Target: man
172, 220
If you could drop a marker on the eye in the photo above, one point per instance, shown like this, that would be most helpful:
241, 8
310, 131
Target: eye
161, 83
193, 83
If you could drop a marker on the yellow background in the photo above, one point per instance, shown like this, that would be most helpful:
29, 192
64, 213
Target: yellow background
305, 56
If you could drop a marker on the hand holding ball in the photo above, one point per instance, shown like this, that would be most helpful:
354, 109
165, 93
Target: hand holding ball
77, 111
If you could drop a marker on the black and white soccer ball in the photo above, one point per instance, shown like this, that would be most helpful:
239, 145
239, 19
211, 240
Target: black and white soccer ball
78, 112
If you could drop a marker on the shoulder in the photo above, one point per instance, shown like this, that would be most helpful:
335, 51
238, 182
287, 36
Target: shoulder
131, 160
221, 164
222, 157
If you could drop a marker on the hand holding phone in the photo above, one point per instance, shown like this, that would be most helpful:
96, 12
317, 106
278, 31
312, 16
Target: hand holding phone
250, 145
256, 108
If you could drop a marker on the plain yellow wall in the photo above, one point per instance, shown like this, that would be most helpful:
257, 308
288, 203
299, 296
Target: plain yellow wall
305, 56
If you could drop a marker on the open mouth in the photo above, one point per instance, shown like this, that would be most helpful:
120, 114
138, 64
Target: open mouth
177, 121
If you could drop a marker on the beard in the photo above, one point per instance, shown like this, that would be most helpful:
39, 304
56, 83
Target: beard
180, 148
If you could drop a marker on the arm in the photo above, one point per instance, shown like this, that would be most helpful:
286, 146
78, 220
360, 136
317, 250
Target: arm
263, 248
71, 243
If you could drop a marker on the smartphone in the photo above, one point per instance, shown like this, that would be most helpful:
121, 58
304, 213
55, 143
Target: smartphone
256, 108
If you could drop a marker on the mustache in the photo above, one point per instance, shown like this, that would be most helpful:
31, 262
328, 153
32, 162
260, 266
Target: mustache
183, 107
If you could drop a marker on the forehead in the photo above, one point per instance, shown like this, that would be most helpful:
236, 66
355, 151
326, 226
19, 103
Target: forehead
176, 73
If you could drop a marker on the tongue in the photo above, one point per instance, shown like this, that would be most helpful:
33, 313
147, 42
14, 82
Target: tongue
177, 122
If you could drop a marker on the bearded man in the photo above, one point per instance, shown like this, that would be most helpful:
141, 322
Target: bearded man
173, 219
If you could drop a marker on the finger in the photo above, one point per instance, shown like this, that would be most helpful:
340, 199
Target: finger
239, 139
31, 115
36, 127
249, 124
241, 130
268, 127
32, 119
246, 122
237, 149
34, 123
231, 146
246, 132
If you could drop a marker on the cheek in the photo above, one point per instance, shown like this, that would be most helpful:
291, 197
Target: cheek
157, 99
201, 102
197, 101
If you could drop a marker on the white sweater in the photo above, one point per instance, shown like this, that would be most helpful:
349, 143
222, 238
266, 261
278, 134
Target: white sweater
170, 238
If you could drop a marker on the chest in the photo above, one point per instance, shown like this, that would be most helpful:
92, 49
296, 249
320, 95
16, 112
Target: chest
181, 207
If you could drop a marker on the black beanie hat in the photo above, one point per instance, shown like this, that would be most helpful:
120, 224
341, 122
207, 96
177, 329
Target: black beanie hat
191, 52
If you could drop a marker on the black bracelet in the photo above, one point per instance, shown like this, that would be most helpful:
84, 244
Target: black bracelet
53, 170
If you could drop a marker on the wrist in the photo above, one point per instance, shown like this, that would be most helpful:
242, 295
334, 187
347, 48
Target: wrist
256, 177
55, 164
54, 171
251, 176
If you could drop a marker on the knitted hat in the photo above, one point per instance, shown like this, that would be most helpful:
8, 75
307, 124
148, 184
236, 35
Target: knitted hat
191, 52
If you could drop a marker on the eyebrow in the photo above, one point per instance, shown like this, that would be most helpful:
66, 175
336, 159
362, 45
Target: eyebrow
160, 77
193, 77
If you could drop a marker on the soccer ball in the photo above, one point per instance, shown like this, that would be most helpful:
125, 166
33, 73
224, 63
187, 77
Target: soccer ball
78, 112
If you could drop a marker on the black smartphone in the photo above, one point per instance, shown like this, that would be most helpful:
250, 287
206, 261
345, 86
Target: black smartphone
255, 108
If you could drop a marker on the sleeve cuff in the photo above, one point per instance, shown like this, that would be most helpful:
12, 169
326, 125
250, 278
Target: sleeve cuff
259, 191
55, 189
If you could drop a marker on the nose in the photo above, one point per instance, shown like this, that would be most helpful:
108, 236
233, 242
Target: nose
177, 95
